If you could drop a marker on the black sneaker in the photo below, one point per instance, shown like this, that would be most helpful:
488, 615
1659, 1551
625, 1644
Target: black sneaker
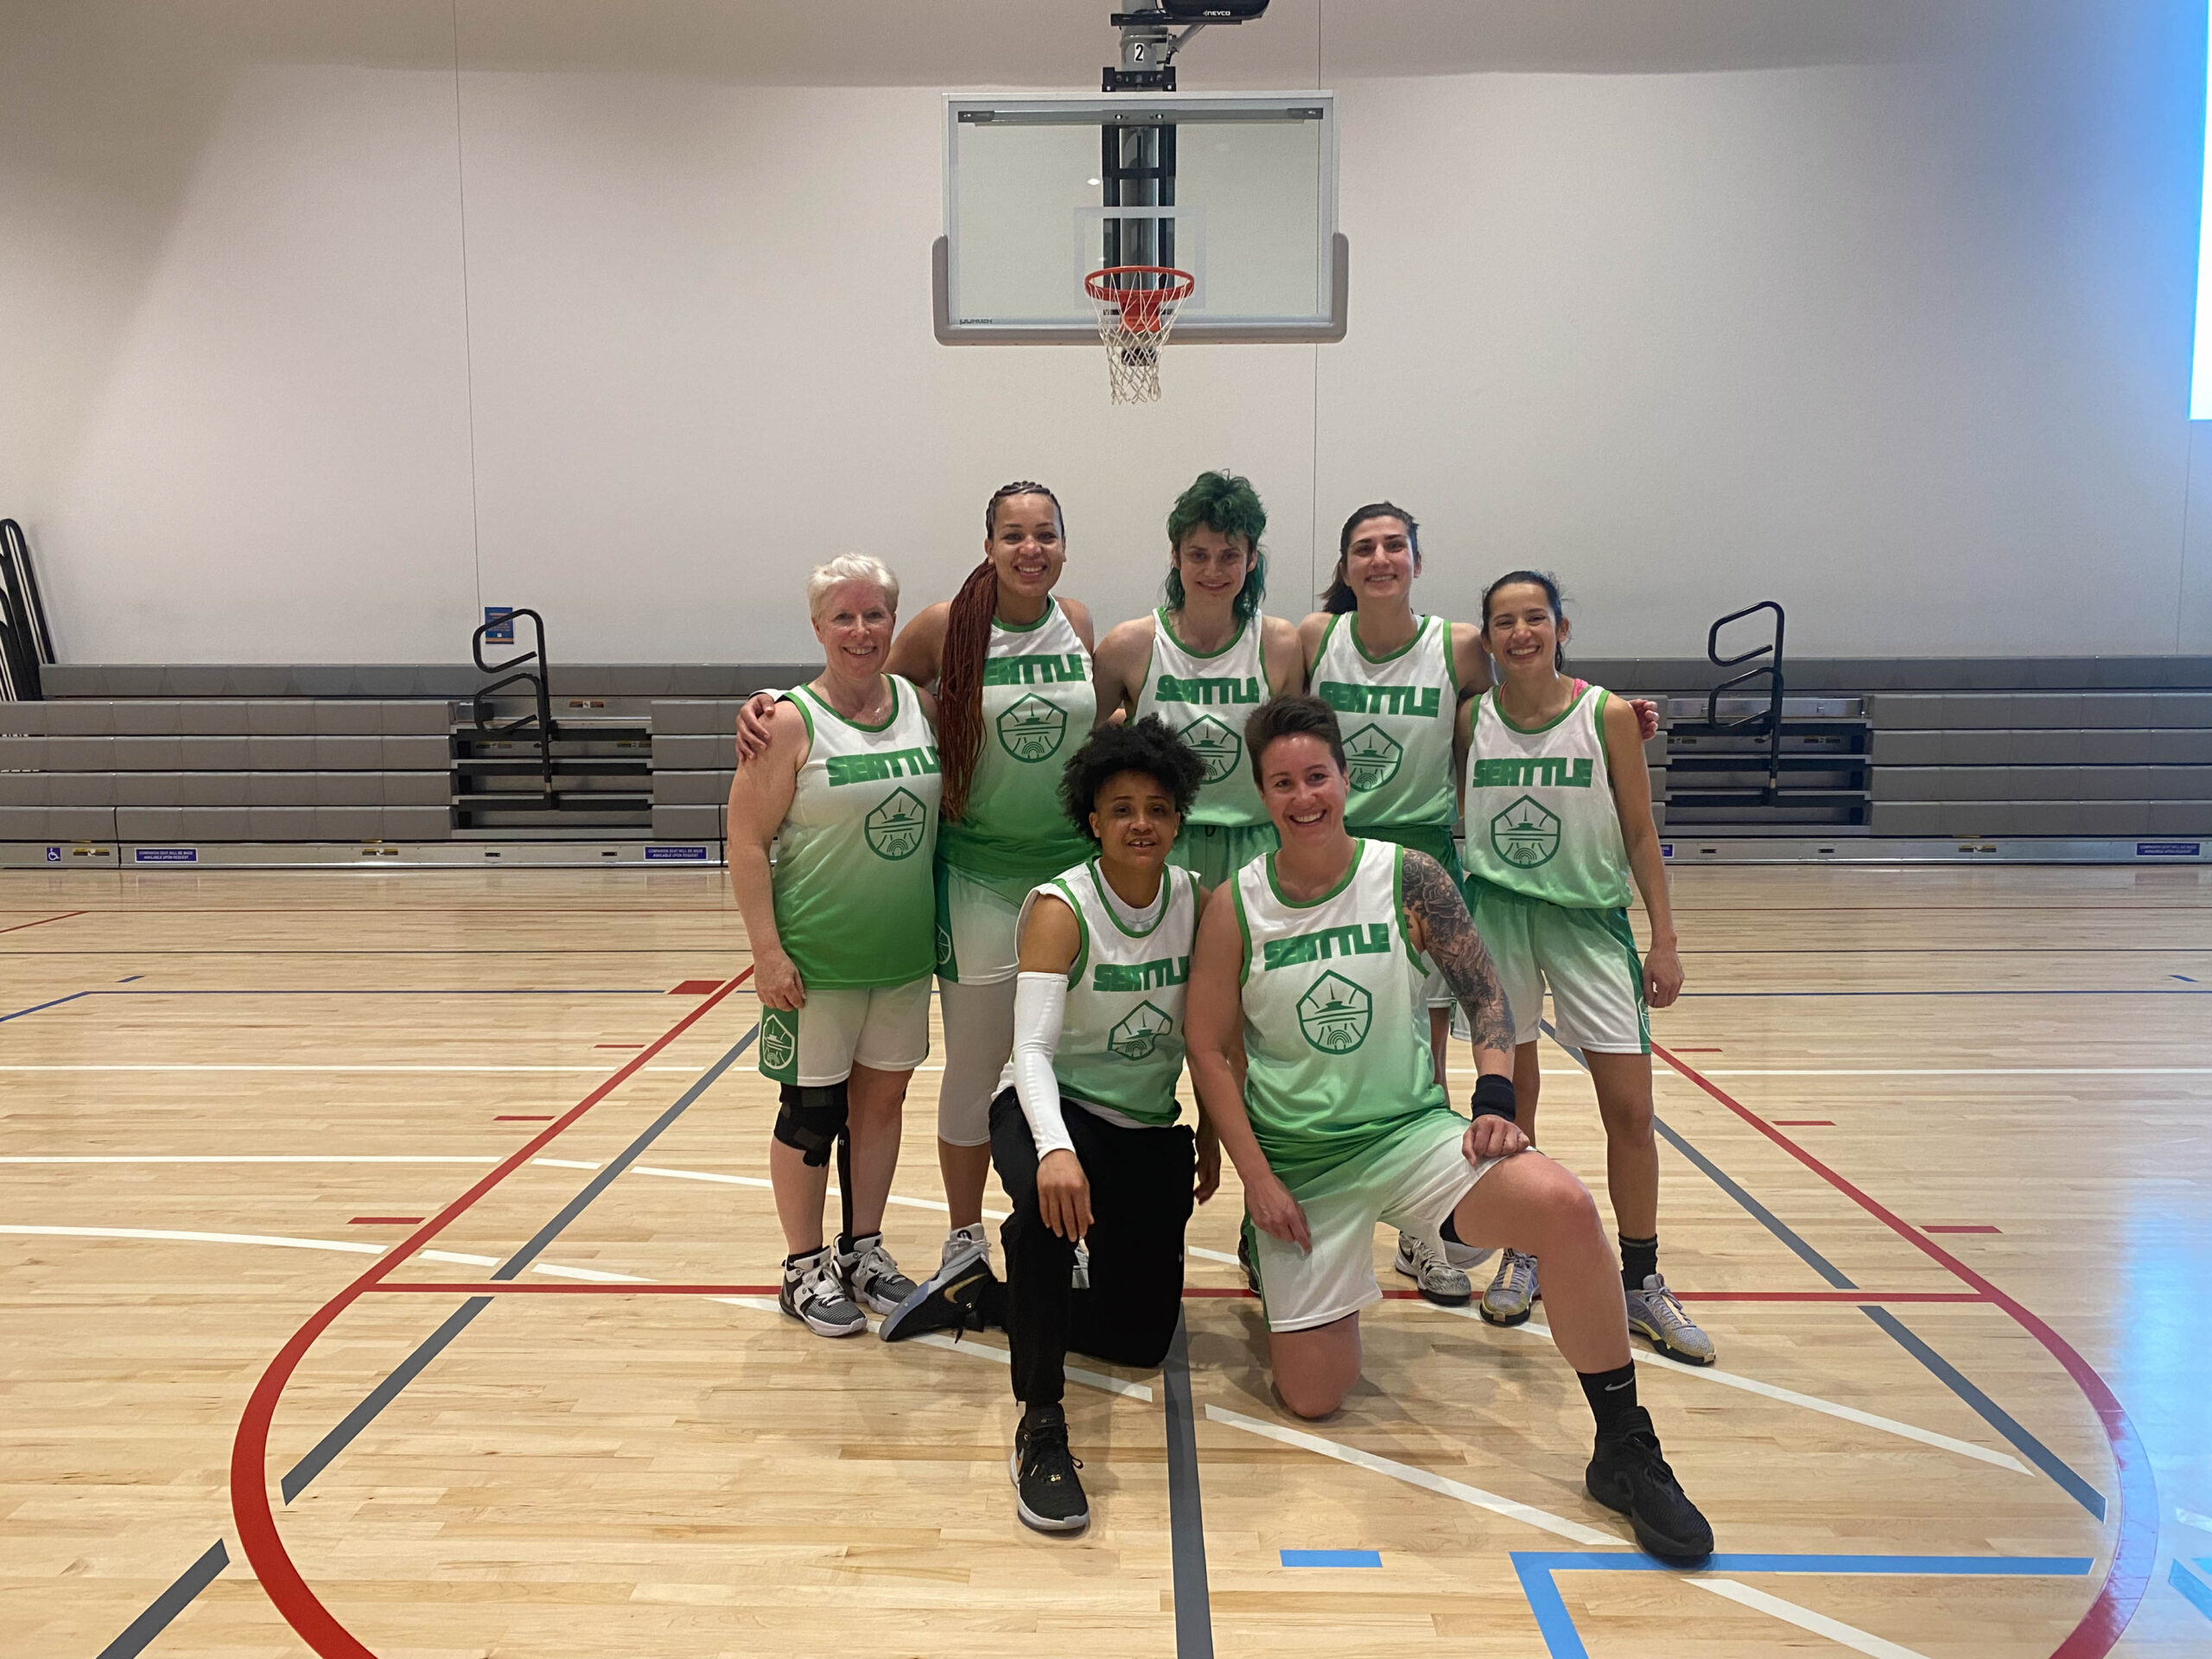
1045, 1490
1628, 1475
948, 1300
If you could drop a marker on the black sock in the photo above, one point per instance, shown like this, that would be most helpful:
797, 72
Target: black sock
1639, 1260
1612, 1395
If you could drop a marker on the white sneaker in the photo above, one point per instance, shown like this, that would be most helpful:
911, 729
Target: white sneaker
1420, 1258
872, 1275
813, 1294
960, 1240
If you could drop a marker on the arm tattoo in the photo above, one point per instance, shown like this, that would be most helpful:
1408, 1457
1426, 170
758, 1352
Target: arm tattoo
1458, 950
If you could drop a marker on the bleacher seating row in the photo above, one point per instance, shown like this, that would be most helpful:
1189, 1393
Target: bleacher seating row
1970, 763
2091, 765
225, 770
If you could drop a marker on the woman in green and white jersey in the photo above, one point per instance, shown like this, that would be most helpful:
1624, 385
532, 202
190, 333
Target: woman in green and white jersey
842, 928
1010, 665
1205, 660
1313, 961
1084, 1129
1559, 822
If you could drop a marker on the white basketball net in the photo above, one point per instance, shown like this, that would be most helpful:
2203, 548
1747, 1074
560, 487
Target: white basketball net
1135, 307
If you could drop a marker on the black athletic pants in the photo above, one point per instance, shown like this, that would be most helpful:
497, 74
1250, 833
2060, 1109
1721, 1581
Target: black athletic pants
1140, 1182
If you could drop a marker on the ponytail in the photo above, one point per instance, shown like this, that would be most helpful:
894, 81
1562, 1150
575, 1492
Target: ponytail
959, 683
960, 661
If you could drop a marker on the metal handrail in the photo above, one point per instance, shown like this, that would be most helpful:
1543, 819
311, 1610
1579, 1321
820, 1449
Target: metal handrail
541, 719
1767, 720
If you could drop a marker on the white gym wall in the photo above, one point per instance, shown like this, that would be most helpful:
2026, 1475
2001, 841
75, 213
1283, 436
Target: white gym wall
315, 345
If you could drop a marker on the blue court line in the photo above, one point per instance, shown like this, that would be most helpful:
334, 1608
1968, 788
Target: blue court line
180, 1595
130, 979
2193, 1590
2185, 978
1562, 1641
1331, 1557
1944, 1372
43, 1006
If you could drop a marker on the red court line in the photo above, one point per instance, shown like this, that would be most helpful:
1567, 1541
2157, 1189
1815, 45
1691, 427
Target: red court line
2135, 1548
1867, 1297
41, 921
510, 1287
257, 1522
648, 1288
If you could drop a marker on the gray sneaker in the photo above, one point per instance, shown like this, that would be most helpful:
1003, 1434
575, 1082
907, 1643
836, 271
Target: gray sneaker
1512, 1294
871, 1276
813, 1294
1421, 1260
1654, 1314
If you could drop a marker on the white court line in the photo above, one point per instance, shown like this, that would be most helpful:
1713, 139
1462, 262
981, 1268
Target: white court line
1810, 1403
199, 1066
1805, 1618
759, 1305
1512, 1510
174, 1235
1726, 1379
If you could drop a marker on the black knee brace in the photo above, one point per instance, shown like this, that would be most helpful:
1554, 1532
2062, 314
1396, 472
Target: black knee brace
811, 1120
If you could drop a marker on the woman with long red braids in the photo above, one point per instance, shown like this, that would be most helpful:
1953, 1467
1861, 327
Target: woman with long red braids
1011, 668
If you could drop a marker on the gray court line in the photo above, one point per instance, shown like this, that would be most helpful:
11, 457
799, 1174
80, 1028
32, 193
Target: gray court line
1766, 1218
1944, 1372
1721, 1178
1185, 1522
388, 1390
165, 1607
1992, 1413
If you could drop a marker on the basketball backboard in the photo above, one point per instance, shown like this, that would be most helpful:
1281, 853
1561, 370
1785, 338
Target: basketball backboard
1239, 189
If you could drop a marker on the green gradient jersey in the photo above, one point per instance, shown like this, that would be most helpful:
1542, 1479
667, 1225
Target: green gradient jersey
1336, 1020
1207, 699
1039, 705
1397, 712
855, 901
1122, 1039
1540, 817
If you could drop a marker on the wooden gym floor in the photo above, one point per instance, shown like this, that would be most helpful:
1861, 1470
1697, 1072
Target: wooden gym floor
1938, 1180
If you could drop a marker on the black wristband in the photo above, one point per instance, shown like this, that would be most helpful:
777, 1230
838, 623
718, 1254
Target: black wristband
1494, 1097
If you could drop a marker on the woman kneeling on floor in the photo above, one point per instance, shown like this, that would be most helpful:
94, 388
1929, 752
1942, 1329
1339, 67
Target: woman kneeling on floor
1098, 1027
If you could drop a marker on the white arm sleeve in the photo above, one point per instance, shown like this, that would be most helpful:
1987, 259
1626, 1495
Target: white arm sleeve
1040, 1003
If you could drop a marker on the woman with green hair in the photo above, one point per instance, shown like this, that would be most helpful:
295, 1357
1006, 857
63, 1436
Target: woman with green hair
1205, 660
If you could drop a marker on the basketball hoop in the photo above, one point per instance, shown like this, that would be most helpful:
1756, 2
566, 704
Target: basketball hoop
1136, 306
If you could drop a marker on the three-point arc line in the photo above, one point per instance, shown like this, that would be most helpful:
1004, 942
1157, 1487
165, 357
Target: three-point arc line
249, 1507
2127, 1575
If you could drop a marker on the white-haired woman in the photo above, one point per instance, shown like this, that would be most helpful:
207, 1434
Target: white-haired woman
843, 933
